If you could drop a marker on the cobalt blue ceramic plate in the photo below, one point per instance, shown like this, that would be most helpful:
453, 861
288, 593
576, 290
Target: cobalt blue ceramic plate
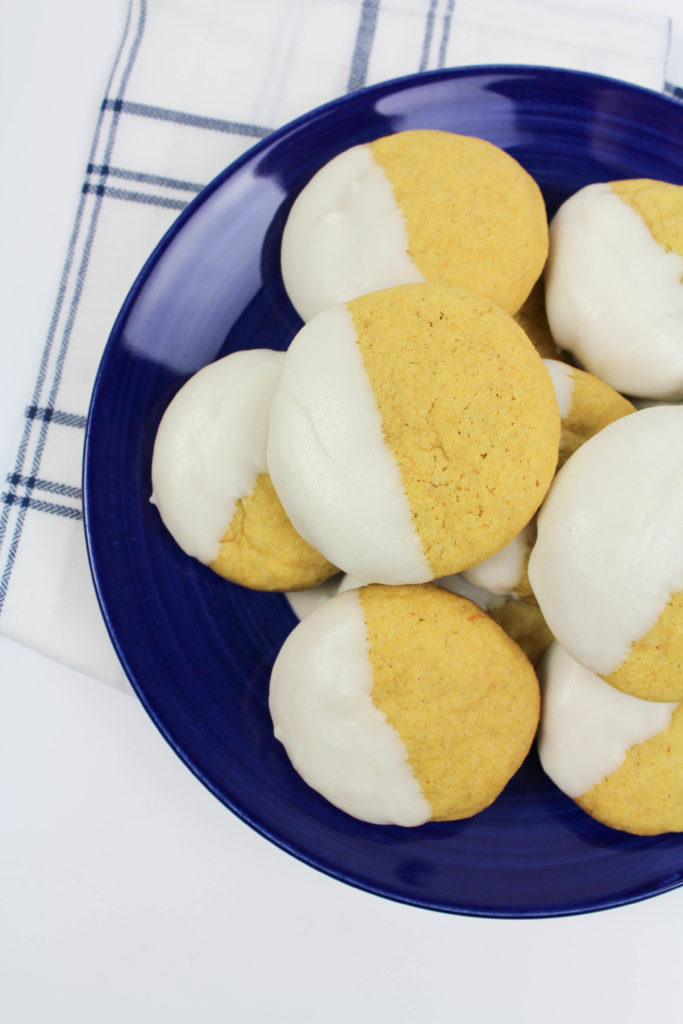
198, 650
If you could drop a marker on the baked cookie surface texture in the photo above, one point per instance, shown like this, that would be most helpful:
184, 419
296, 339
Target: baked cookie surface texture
618, 757
521, 620
607, 566
210, 482
414, 432
586, 405
614, 284
404, 704
413, 206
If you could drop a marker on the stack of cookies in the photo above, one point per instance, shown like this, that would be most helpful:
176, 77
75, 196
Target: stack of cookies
411, 433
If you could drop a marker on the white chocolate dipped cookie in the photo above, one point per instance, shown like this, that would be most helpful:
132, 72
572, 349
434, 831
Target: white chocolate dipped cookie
210, 482
414, 432
607, 566
614, 284
403, 704
618, 757
417, 205
586, 405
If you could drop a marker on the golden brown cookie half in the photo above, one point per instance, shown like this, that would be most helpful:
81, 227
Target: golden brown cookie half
475, 217
261, 549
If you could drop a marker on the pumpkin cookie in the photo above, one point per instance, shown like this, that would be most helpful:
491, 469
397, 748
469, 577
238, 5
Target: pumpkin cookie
618, 757
414, 432
418, 205
210, 481
607, 566
404, 704
614, 284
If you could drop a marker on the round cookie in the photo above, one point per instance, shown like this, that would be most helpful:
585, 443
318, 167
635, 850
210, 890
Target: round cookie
607, 566
586, 406
413, 206
403, 704
620, 758
413, 433
614, 284
210, 481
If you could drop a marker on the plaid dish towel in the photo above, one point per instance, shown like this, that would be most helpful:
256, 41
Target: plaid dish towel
195, 83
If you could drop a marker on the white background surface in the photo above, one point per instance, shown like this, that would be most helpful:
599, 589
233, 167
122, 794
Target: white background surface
129, 893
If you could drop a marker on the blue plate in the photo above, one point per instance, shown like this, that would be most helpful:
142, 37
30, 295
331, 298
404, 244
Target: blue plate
198, 650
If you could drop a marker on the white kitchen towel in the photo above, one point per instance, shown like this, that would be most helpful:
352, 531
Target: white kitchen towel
195, 83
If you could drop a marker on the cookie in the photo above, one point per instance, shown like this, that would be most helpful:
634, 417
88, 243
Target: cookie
607, 566
419, 205
403, 704
414, 432
614, 284
586, 406
620, 758
210, 482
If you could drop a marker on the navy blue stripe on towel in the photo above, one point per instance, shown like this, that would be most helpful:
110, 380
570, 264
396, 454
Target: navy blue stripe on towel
364, 40
121, 106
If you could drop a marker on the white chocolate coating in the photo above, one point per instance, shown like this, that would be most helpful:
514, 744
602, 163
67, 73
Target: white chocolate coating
336, 478
563, 381
335, 737
457, 584
347, 582
211, 446
502, 573
614, 295
609, 553
303, 602
588, 726
345, 235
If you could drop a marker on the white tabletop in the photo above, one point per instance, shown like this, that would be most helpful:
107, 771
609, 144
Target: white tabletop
130, 893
